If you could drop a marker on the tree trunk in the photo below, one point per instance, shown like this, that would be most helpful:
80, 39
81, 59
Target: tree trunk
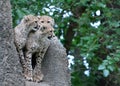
54, 65
77, 12
10, 68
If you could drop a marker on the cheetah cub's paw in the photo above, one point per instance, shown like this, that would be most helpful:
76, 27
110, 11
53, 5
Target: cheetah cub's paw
38, 77
28, 77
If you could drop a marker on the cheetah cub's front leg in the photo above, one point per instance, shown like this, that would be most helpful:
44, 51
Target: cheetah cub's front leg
28, 70
37, 73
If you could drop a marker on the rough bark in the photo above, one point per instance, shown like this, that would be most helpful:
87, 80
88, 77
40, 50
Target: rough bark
10, 68
54, 65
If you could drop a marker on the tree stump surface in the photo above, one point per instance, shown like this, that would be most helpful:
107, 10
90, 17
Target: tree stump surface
27, 83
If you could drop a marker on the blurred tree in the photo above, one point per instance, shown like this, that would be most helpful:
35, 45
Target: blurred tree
89, 29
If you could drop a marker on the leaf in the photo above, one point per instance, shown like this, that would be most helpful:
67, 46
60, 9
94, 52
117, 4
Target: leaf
106, 73
111, 68
101, 67
117, 58
20, 13
105, 62
69, 1
101, 5
115, 24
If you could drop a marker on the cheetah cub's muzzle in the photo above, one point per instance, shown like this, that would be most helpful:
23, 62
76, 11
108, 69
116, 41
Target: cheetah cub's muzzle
47, 30
36, 26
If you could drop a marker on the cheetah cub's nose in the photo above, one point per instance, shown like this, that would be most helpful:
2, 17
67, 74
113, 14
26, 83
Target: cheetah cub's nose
49, 37
51, 31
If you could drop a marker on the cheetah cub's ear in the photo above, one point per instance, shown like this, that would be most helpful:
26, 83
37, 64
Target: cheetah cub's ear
39, 17
27, 18
53, 22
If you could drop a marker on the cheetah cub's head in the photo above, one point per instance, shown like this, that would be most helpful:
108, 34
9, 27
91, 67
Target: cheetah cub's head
47, 30
30, 22
46, 20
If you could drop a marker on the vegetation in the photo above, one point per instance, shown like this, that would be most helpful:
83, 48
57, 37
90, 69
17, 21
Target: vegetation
89, 30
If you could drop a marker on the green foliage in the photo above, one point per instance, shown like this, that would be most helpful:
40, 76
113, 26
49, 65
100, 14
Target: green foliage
98, 45
21, 8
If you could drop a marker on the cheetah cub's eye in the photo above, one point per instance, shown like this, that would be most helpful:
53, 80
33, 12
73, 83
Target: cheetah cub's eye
35, 21
42, 21
48, 21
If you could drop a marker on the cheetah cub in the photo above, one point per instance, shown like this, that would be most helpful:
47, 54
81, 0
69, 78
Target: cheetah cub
46, 20
37, 43
21, 31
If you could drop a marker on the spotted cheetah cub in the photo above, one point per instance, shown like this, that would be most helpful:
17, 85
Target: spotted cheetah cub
37, 44
21, 31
